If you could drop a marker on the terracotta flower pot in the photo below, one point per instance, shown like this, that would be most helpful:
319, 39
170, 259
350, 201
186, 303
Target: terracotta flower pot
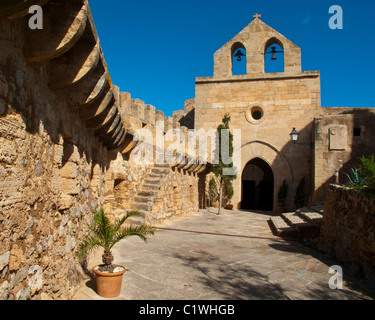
108, 285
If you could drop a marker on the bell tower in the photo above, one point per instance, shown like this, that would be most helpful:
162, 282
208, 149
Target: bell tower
257, 40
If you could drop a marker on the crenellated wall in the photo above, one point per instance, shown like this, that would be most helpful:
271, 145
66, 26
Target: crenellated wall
59, 128
66, 146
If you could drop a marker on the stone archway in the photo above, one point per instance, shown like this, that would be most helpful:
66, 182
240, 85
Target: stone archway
257, 186
276, 160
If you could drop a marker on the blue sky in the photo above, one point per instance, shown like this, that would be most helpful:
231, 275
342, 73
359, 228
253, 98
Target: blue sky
156, 48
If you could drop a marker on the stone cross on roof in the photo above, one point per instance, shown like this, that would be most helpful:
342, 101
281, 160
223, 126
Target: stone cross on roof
257, 16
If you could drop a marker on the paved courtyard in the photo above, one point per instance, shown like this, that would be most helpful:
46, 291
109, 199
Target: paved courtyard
233, 256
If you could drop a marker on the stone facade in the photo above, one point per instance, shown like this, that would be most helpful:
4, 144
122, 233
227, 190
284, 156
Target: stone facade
266, 107
284, 101
342, 136
348, 227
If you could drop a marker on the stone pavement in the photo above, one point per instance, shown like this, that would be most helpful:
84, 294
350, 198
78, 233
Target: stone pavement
233, 256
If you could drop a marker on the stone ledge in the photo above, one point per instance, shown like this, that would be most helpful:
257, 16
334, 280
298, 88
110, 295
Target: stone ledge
259, 77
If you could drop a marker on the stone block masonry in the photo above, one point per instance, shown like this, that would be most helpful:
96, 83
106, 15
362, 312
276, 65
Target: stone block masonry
348, 227
66, 148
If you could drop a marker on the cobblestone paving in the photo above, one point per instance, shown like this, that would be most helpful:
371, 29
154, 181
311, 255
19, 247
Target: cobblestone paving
233, 256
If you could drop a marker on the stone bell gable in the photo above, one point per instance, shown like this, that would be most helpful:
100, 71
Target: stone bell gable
265, 107
256, 38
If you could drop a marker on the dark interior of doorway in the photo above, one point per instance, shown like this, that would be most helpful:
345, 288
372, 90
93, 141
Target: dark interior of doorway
257, 186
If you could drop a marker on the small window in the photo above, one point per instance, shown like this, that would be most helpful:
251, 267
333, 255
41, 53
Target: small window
357, 132
257, 115
254, 114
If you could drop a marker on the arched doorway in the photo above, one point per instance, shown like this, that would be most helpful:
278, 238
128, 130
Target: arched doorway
257, 186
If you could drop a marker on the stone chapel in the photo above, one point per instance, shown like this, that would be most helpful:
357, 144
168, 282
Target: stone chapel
267, 107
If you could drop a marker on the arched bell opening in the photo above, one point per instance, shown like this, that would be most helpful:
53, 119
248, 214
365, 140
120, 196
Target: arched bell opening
239, 59
274, 60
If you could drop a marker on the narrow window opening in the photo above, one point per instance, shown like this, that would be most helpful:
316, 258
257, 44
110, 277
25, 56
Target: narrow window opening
357, 132
274, 57
239, 59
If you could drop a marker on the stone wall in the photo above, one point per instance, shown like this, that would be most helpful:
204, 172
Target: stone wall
348, 229
53, 169
342, 136
66, 145
177, 197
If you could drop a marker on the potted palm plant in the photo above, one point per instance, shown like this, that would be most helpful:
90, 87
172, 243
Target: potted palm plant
105, 234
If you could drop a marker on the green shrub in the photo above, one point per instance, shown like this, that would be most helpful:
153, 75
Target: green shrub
355, 180
301, 197
281, 196
212, 190
228, 189
368, 170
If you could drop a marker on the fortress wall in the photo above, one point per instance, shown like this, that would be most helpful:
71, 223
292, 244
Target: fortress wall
52, 176
66, 139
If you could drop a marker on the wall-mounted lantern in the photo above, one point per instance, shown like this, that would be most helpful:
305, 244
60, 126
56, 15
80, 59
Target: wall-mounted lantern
294, 136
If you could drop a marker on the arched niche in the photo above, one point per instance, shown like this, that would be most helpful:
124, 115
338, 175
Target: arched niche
239, 59
274, 58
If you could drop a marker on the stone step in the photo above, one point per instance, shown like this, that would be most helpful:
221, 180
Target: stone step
144, 199
318, 208
163, 166
281, 228
311, 216
138, 220
145, 207
150, 187
303, 227
147, 193
295, 221
152, 181
156, 176
160, 171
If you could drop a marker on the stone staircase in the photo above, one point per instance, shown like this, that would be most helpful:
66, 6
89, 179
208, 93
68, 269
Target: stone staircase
148, 191
304, 223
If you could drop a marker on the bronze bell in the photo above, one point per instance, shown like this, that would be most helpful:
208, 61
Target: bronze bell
239, 54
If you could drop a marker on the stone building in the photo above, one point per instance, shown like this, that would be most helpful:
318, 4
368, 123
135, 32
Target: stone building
266, 107
67, 139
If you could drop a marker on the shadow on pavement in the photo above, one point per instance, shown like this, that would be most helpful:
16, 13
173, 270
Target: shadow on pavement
235, 281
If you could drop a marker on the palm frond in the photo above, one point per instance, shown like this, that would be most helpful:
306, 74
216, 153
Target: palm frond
105, 234
119, 224
87, 246
141, 231
104, 228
